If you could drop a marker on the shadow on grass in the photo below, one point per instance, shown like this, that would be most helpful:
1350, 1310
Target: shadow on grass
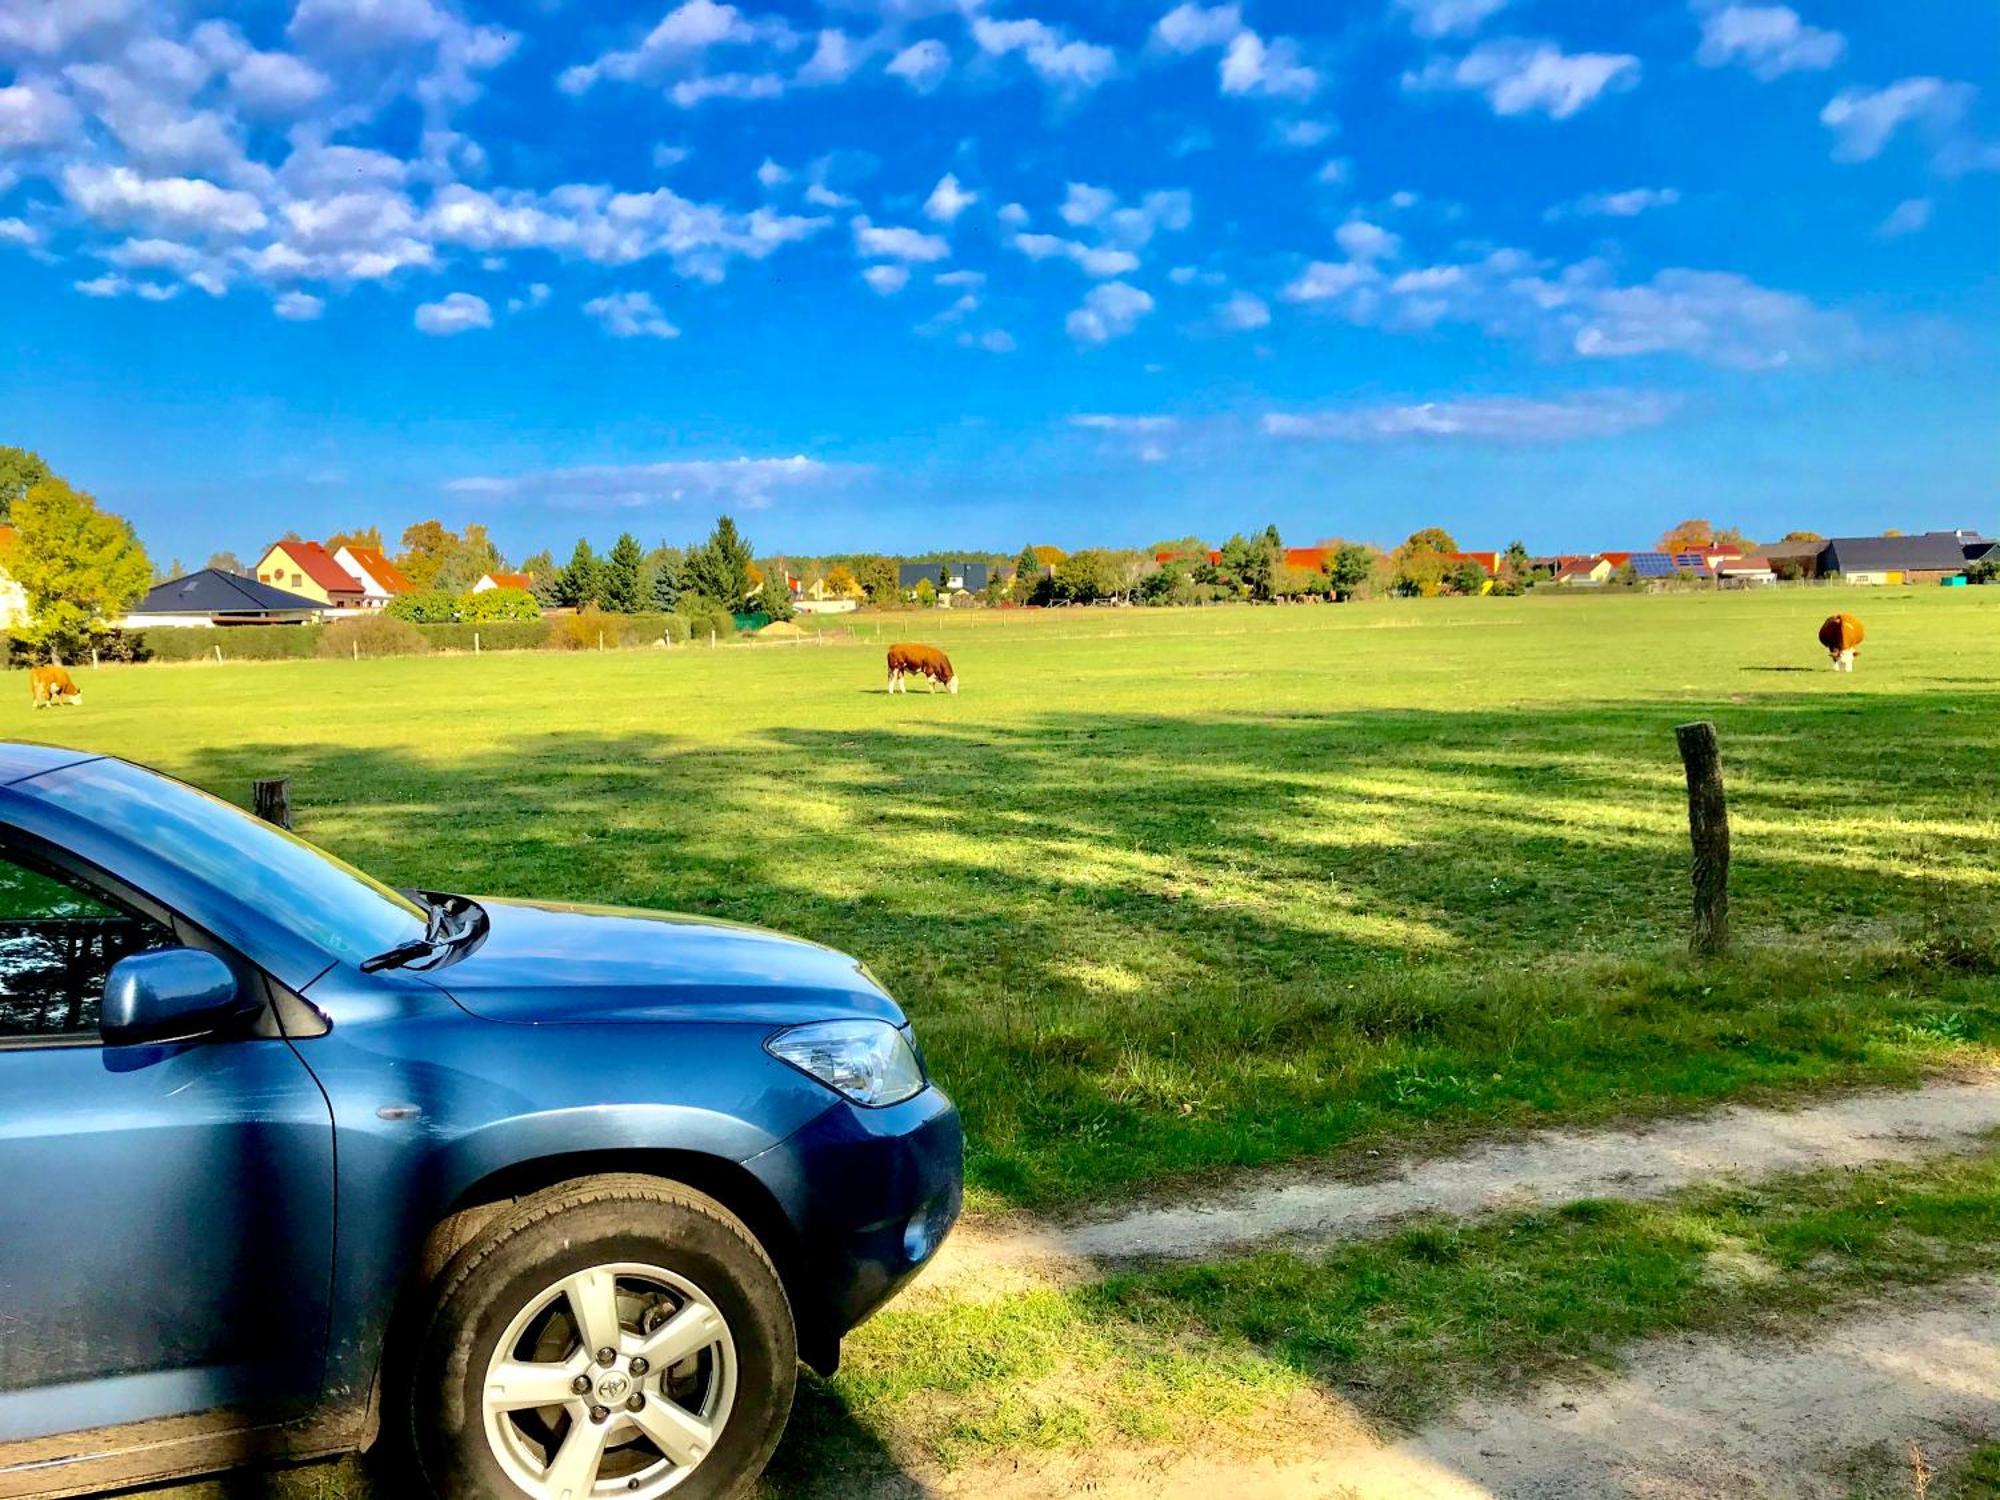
1148, 945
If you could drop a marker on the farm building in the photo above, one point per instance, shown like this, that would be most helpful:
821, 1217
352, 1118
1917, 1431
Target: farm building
212, 597
1926, 558
1584, 572
308, 569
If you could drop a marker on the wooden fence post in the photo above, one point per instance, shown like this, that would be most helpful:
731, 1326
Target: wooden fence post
271, 800
1708, 829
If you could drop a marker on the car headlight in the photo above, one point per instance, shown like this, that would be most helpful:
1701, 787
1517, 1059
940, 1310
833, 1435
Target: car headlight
870, 1062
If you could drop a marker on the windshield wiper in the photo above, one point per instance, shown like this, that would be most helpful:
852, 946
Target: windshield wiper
449, 921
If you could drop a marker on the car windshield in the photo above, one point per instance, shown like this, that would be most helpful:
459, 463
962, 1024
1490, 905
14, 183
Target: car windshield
332, 904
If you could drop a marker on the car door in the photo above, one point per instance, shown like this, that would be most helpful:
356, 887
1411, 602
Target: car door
166, 1211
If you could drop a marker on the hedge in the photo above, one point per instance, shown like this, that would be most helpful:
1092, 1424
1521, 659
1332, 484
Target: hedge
297, 642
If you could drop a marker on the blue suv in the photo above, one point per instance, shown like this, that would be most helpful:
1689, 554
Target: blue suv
558, 1195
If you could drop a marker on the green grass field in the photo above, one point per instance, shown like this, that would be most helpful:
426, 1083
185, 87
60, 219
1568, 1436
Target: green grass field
1171, 892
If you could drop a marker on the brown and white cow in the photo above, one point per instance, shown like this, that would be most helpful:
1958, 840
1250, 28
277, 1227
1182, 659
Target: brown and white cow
926, 662
51, 685
1841, 635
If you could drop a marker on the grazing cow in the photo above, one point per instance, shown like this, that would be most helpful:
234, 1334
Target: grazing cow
47, 685
1841, 635
926, 662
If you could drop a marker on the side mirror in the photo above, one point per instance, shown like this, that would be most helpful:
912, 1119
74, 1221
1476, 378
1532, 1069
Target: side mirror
170, 995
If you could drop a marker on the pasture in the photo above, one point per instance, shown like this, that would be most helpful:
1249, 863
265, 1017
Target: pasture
1172, 892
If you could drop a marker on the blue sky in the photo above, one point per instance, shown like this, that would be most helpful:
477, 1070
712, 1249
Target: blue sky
896, 274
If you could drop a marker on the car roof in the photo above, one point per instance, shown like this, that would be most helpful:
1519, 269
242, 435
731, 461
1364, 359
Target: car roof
19, 761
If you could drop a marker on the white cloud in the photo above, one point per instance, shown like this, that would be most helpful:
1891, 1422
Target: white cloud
747, 483
922, 65
1439, 18
1628, 204
298, 307
1519, 77
630, 315
1095, 260
1109, 311
1322, 281
995, 341
1864, 121
834, 59
948, 200
460, 312
18, 232
1303, 135
1501, 419
1244, 312
770, 174
117, 197
675, 55
886, 281
1194, 28
111, 284
1366, 242
277, 83
1769, 40
353, 26
30, 29
32, 115
893, 243
1084, 204
1108, 422
1059, 62
1911, 216
1253, 66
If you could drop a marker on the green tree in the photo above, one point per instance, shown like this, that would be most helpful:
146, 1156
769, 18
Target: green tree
666, 570
841, 582
171, 571
541, 570
1468, 578
81, 567
619, 590
1803, 536
719, 569
1251, 563
877, 578
228, 562
1350, 569
926, 593
471, 556
364, 536
20, 471
1027, 574
775, 597
1423, 564
1089, 575
1518, 561
578, 582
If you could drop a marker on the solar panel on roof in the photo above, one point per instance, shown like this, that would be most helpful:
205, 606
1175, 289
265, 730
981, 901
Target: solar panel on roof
1652, 565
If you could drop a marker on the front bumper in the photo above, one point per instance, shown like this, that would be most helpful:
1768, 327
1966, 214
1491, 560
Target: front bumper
872, 1193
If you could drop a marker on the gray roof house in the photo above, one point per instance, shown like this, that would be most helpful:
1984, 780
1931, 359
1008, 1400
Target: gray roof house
970, 576
1929, 552
213, 597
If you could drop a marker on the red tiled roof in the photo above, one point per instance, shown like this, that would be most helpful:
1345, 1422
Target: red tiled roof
1490, 561
1616, 559
1580, 567
522, 581
317, 564
381, 569
1311, 559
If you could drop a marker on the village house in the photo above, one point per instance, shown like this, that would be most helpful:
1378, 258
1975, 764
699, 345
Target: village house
525, 582
213, 597
309, 570
380, 579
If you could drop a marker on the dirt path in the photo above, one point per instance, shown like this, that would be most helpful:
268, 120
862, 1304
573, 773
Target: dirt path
1691, 1419
1546, 1168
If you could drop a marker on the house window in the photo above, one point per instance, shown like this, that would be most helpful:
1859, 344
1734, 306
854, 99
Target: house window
296, 580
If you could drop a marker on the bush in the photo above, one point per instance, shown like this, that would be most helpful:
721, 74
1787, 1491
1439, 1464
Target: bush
238, 642
425, 607
376, 633
498, 604
587, 630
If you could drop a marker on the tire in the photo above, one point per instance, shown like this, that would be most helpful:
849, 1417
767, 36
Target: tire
659, 1254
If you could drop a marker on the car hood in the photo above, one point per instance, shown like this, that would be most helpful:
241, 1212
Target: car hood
543, 963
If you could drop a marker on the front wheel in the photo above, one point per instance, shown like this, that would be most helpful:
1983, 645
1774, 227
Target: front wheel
614, 1336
